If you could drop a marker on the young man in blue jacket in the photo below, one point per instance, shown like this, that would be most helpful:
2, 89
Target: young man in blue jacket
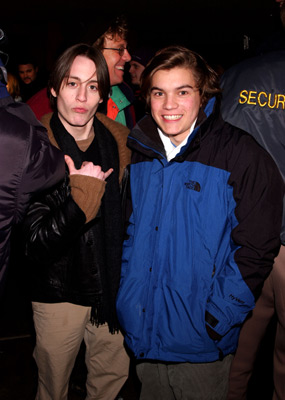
197, 251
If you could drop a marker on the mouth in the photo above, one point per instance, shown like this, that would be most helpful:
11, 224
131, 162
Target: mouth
173, 117
79, 110
120, 67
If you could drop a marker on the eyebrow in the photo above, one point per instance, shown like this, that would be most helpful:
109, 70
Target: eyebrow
78, 79
179, 87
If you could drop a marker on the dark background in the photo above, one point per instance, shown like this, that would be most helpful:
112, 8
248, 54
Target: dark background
218, 30
224, 32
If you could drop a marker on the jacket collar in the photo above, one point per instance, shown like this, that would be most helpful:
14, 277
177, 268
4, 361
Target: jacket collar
145, 134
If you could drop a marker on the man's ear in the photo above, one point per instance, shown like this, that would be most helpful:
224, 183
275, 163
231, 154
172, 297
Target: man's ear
100, 101
53, 92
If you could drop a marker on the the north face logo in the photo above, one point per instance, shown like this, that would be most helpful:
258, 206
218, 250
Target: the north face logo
193, 185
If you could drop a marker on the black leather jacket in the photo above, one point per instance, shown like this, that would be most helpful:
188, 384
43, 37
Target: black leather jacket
61, 250
72, 260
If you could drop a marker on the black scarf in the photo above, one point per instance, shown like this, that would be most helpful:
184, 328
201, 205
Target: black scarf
106, 230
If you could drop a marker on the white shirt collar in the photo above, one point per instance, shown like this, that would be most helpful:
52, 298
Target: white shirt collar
170, 149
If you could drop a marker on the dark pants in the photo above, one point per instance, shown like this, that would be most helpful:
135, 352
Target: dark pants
184, 381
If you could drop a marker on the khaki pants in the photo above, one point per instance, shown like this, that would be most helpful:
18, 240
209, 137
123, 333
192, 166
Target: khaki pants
60, 329
271, 300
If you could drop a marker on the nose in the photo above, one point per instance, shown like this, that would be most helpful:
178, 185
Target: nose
131, 70
126, 56
169, 102
81, 93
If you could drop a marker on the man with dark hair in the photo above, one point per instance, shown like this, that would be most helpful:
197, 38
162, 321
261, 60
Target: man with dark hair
29, 164
113, 44
140, 58
74, 235
197, 251
112, 41
29, 77
254, 100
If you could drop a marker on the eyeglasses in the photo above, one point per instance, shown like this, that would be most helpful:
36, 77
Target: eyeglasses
120, 50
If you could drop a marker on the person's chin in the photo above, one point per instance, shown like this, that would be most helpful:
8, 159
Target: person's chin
119, 78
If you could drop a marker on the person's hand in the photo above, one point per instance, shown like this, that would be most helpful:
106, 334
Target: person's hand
87, 169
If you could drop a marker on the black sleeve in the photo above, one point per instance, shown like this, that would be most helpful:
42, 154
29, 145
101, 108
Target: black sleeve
52, 223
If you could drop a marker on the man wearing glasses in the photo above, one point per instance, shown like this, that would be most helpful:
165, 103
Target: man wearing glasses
113, 44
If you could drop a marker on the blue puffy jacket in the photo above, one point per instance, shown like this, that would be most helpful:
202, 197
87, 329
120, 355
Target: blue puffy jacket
203, 233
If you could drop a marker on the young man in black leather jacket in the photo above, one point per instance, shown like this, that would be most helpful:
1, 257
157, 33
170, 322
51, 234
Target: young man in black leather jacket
74, 235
